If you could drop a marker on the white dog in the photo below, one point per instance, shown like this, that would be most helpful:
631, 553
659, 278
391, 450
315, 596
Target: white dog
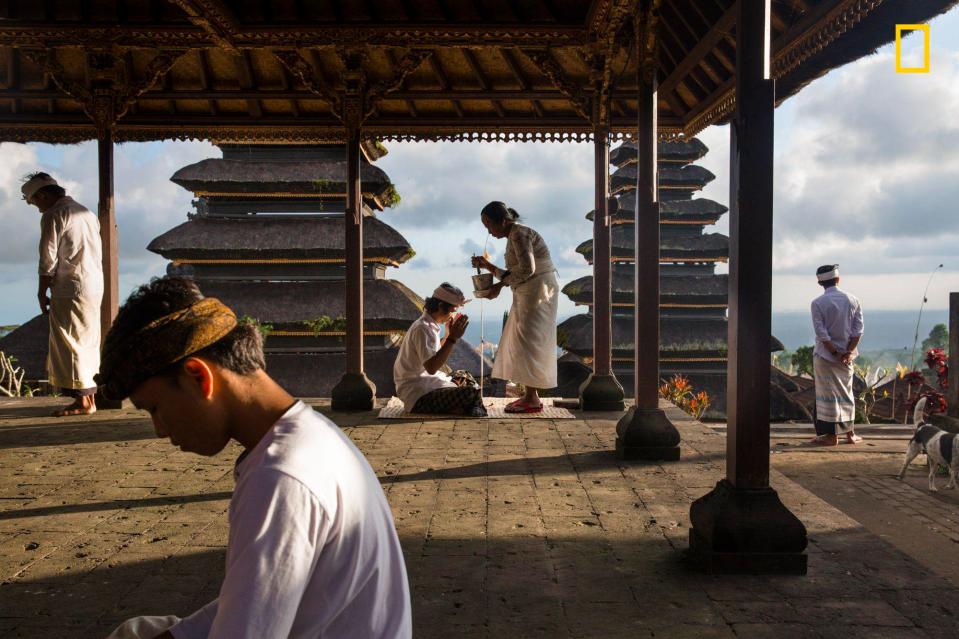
939, 446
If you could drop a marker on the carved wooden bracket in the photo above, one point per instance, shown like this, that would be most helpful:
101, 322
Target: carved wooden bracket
646, 26
296, 64
410, 62
214, 17
544, 60
106, 96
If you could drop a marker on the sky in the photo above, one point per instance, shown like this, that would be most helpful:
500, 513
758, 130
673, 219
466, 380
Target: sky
866, 175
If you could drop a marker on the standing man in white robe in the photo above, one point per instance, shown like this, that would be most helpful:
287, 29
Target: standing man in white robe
837, 321
71, 270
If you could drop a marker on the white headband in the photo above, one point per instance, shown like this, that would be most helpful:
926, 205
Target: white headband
828, 275
30, 188
448, 296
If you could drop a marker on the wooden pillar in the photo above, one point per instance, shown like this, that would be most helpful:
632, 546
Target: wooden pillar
354, 391
950, 420
645, 432
742, 526
952, 395
108, 233
109, 244
602, 391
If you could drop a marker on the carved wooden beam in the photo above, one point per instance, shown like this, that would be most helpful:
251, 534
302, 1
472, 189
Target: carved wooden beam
214, 17
52, 69
544, 60
409, 63
128, 92
420, 35
299, 67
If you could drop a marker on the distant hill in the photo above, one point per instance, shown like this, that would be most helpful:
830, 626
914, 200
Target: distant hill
8, 329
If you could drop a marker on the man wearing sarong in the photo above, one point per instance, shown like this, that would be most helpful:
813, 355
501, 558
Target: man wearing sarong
312, 549
420, 384
72, 272
837, 322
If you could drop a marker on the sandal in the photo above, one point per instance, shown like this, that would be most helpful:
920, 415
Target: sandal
520, 407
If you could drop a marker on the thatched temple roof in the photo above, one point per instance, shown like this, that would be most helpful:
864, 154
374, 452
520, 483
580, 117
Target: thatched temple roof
709, 247
29, 343
207, 238
699, 211
686, 178
258, 178
681, 289
388, 304
685, 334
667, 152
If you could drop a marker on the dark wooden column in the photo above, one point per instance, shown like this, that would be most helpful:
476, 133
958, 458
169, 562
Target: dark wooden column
602, 391
742, 526
354, 391
952, 395
108, 233
645, 432
950, 421
109, 243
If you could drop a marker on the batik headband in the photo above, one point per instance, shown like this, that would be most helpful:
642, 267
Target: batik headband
130, 359
828, 275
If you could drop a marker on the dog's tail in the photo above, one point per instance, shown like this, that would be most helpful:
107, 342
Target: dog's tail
919, 412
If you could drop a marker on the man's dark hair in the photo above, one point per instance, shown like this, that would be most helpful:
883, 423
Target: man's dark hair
54, 190
825, 268
432, 305
239, 351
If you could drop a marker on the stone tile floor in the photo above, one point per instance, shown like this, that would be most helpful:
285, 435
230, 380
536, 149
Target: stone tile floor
511, 528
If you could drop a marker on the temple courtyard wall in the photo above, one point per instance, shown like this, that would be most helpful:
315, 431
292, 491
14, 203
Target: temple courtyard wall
511, 528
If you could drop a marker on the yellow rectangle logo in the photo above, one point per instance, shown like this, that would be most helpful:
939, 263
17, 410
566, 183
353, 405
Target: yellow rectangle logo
900, 68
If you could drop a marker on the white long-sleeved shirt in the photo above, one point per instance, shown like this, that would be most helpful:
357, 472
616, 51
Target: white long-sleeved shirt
526, 255
836, 318
70, 249
421, 342
312, 551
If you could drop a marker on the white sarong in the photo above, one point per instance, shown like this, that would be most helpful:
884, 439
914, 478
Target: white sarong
73, 357
527, 349
835, 402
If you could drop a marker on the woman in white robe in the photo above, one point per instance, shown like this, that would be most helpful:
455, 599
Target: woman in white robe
527, 349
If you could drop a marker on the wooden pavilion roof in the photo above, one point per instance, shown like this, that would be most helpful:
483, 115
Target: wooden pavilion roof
276, 70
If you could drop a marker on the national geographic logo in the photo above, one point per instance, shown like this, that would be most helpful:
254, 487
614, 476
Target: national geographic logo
900, 67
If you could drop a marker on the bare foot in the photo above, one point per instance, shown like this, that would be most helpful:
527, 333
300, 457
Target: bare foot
81, 406
853, 438
825, 440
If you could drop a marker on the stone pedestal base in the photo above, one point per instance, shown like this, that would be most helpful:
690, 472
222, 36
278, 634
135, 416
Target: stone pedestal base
645, 433
945, 422
739, 531
354, 392
602, 393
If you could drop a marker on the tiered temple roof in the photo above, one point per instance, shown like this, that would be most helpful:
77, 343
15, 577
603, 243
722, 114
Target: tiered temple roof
268, 240
693, 298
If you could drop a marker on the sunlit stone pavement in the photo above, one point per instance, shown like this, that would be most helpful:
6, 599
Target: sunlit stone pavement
511, 528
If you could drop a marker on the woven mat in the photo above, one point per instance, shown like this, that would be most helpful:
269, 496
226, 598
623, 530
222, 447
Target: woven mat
495, 406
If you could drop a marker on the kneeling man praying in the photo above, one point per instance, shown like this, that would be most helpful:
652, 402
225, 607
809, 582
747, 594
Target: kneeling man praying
420, 384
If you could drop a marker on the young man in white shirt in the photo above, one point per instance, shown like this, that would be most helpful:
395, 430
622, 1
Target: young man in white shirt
837, 322
420, 384
71, 271
312, 550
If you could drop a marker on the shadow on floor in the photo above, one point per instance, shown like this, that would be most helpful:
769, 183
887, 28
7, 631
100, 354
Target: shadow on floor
119, 504
565, 463
75, 432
